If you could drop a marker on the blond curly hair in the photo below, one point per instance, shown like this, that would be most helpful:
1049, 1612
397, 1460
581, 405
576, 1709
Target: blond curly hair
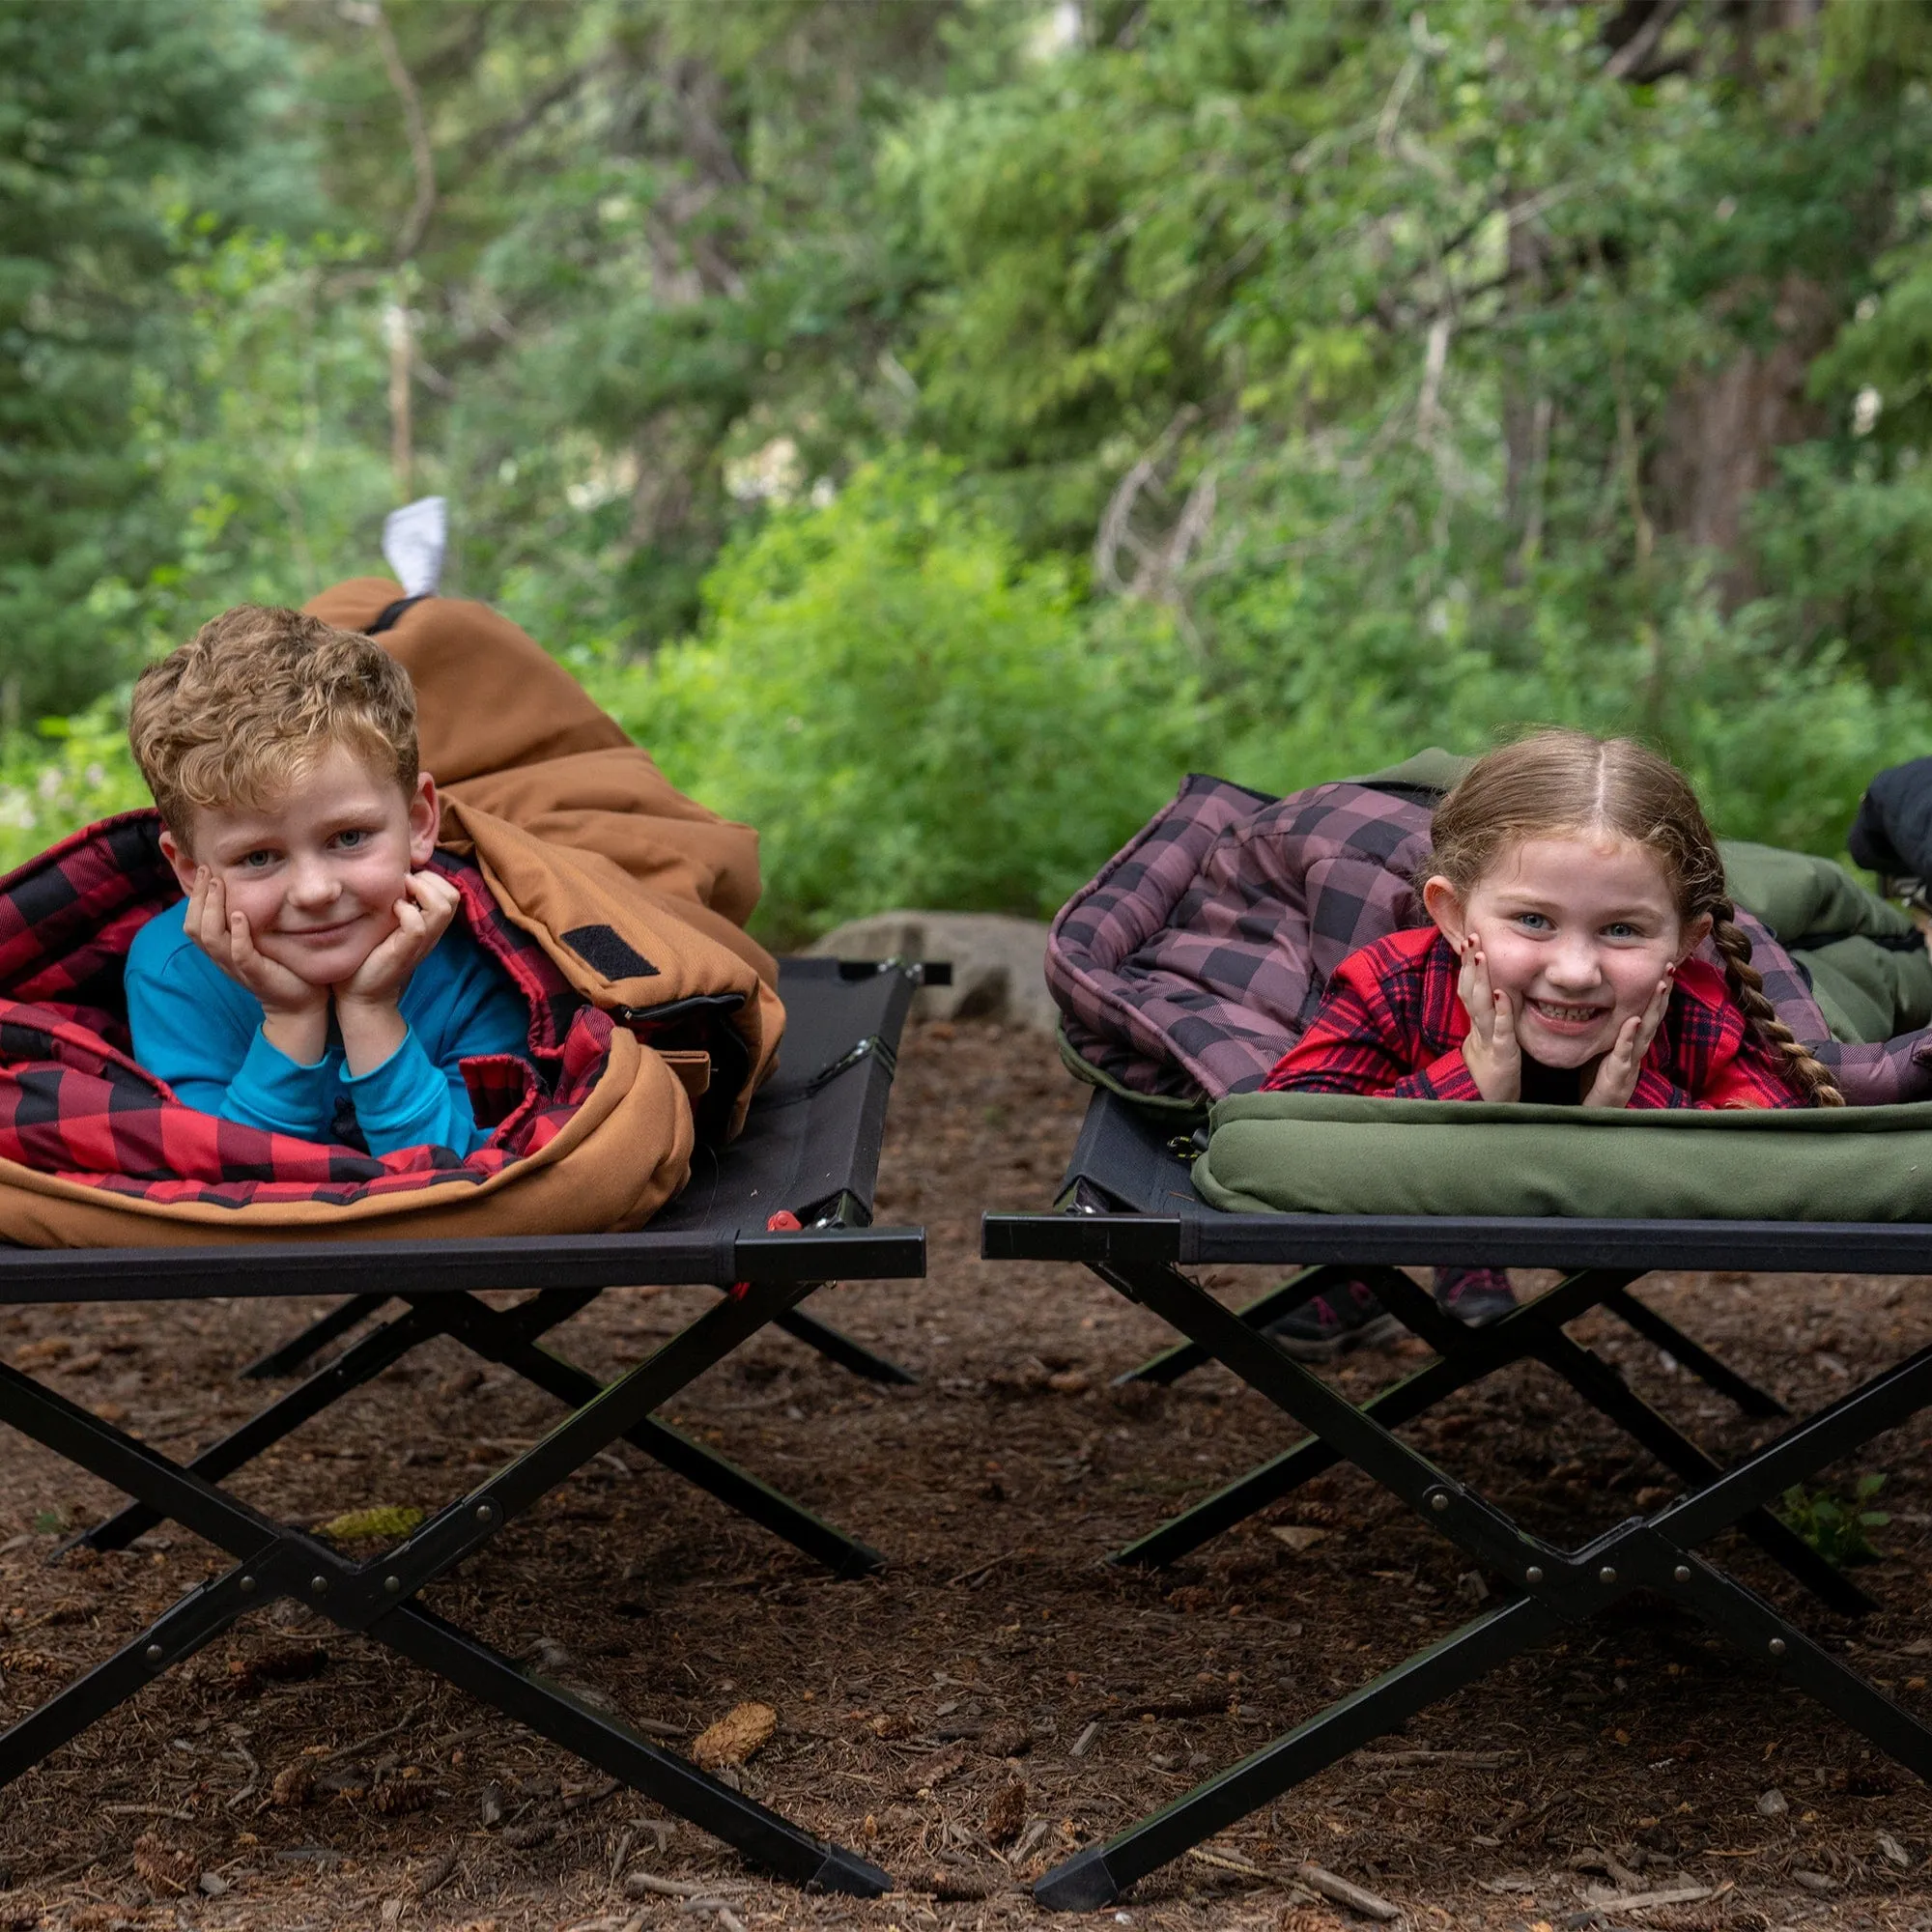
243, 710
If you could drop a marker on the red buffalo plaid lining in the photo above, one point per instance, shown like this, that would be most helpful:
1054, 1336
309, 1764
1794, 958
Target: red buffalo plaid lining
75, 1104
1392, 1023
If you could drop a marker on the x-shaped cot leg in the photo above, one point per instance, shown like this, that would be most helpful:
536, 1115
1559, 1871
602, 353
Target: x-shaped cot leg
1182, 1359
834, 1343
507, 1337
1171, 1363
1534, 1330
1560, 1586
308, 1342
1605, 1390
375, 1599
1478, 1352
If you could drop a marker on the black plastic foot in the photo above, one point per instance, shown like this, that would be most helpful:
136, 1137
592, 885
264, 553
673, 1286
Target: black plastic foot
863, 1561
1083, 1884
847, 1872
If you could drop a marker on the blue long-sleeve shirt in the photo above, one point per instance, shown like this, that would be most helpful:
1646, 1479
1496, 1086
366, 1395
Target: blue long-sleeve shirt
199, 1031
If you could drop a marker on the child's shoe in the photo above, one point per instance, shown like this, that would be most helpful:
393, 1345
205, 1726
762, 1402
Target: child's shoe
1476, 1296
1332, 1322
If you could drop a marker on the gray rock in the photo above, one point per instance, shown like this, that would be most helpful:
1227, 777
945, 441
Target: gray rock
999, 963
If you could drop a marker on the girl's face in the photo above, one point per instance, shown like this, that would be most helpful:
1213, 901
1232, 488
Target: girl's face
1578, 931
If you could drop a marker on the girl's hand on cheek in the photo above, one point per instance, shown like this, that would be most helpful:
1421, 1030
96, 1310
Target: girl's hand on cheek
1491, 1052
1618, 1069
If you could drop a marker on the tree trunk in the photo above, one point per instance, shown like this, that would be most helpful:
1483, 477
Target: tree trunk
1527, 409
1724, 425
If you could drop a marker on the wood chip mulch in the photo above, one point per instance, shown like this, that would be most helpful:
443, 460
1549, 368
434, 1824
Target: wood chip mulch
998, 1697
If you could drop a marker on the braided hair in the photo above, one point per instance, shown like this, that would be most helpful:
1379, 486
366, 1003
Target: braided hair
1559, 782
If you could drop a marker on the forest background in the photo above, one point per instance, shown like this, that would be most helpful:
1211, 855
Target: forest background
933, 426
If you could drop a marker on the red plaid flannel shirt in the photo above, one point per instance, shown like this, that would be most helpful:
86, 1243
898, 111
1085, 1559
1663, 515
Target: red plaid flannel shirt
1392, 1024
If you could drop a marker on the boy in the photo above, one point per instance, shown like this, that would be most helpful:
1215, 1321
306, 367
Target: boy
314, 982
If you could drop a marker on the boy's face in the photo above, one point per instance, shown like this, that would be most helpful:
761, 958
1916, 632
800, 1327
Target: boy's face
317, 875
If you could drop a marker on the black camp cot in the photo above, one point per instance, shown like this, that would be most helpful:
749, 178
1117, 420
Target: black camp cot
1128, 1212
809, 1154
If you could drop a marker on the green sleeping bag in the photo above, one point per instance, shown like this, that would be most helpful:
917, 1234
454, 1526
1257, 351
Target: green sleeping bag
1346, 1153
1866, 962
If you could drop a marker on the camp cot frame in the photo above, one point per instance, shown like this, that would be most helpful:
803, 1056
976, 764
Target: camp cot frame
779, 1212
1130, 1214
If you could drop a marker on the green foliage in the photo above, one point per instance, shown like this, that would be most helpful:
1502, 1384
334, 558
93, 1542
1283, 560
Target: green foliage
934, 428
909, 713
383, 1523
258, 438
264, 437
1836, 1528
655, 248
69, 772
107, 114
1779, 745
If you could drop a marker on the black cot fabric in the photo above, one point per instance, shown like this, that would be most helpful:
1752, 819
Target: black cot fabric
75, 1104
812, 1137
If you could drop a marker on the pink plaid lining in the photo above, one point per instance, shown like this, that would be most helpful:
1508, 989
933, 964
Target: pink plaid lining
1201, 952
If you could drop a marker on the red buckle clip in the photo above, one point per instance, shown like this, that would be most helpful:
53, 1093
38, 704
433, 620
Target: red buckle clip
784, 1222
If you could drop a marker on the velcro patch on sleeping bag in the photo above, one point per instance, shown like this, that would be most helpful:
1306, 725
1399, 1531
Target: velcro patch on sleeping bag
1343, 1153
609, 952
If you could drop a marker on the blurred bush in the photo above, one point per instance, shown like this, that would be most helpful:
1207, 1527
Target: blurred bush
910, 713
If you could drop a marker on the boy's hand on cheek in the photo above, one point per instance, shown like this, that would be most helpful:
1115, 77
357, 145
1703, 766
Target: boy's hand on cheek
365, 1003
1491, 1052
421, 918
295, 1014
224, 936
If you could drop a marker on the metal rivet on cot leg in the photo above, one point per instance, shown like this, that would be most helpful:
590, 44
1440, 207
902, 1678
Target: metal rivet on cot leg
1778, 1646
1438, 1499
318, 1584
247, 1586
1682, 1573
1533, 1575
1607, 1575
393, 1584
485, 1511
155, 1653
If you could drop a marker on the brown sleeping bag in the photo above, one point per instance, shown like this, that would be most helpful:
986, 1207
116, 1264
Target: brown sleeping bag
614, 903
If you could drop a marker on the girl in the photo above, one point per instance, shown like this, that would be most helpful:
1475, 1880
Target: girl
1572, 882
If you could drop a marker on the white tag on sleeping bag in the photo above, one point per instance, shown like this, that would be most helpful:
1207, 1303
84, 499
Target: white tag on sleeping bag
414, 540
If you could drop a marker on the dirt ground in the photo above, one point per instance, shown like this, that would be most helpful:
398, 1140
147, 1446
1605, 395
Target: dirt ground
998, 1697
